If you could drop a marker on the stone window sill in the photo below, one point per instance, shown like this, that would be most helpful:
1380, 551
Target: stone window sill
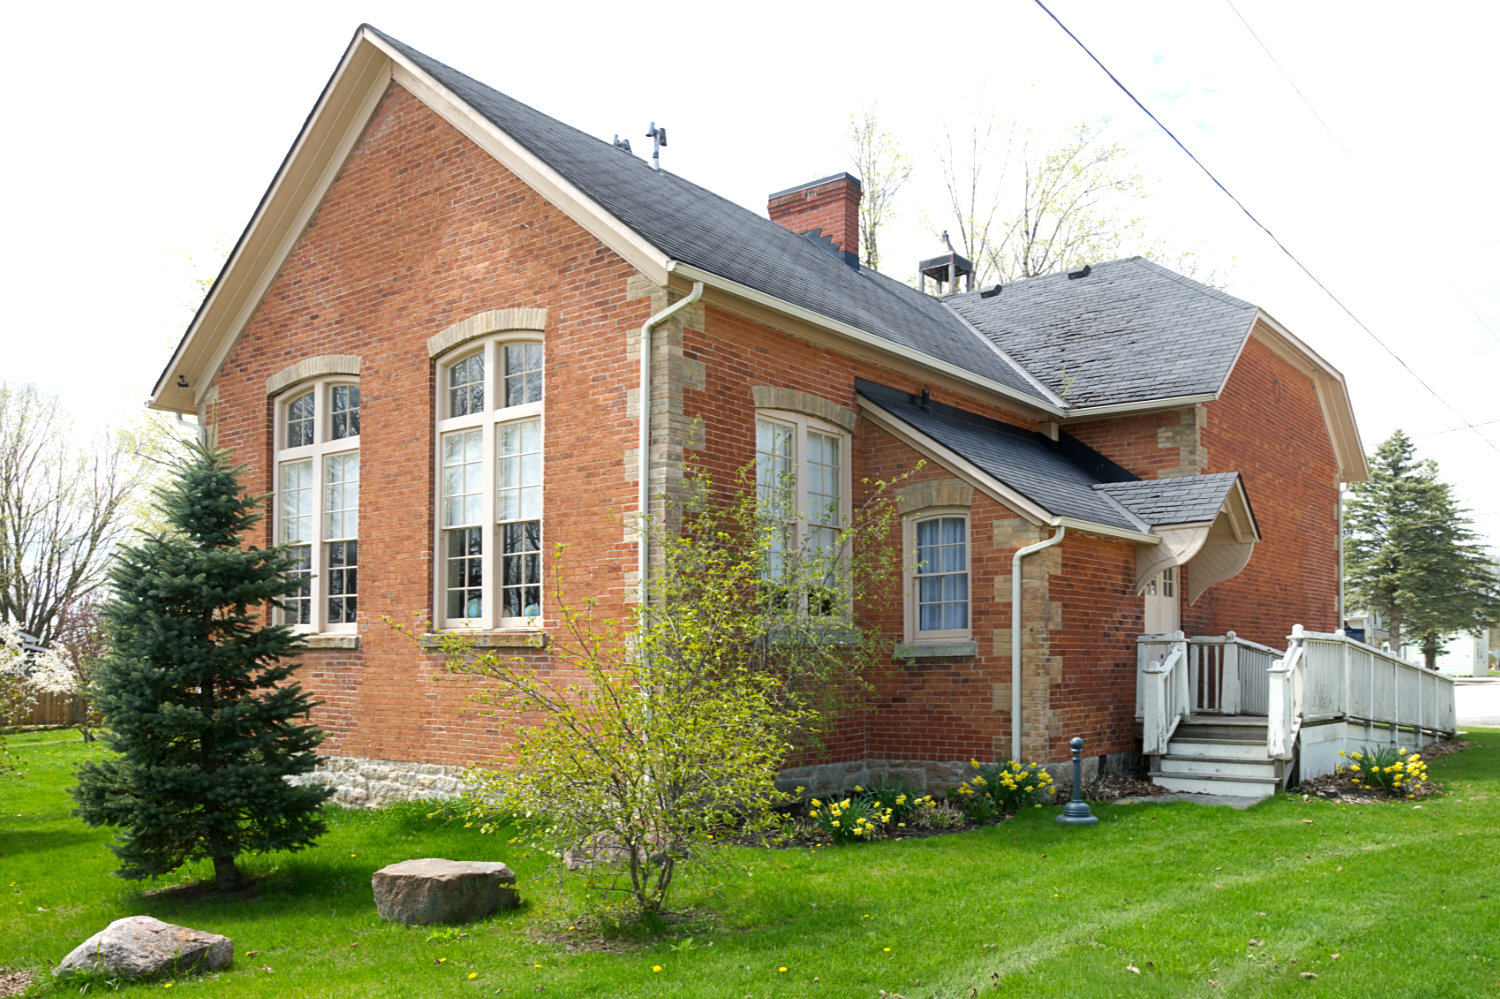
525, 638
332, 640
926, 650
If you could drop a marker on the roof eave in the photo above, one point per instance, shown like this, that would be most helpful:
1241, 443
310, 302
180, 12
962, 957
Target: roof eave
1029, 404
986, 483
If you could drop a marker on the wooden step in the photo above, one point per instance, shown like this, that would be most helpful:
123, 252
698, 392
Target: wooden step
1223, 766
1241, 749
1245, 787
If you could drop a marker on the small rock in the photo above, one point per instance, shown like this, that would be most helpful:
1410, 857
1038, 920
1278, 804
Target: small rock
140, 946
443, 891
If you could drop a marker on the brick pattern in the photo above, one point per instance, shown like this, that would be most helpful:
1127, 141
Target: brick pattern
422, 230
832, 206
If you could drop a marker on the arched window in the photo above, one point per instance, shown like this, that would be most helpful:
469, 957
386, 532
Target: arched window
489, 517
317, 500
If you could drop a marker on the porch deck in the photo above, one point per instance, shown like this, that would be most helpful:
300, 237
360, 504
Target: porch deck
1221, 715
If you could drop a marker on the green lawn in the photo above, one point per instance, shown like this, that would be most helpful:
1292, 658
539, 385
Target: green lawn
1176, 891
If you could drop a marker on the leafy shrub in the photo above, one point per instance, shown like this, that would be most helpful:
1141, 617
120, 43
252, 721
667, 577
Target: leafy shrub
1386, 768
995, 789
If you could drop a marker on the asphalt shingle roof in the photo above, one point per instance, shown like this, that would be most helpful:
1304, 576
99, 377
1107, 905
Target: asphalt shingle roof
1185, 499
1021, 459
698, 227
1128, 331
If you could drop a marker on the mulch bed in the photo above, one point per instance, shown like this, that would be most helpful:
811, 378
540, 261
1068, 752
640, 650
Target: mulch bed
15, 983
1115, 787
1341, 787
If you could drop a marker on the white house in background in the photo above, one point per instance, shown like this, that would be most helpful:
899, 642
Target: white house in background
1462, 655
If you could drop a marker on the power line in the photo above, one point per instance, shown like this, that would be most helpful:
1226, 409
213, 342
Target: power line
1263, 228
1345, 151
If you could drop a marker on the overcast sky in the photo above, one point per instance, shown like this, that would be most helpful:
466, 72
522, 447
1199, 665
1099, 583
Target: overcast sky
146, 134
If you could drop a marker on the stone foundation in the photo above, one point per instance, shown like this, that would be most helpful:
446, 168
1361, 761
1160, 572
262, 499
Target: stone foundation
361, 783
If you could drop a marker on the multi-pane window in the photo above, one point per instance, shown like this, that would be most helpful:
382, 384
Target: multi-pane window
317, 502
296, 504
466, 386
341, 531
518, 509
344, 405
523, 373
299, 420
802, 485
463, 517
942, 574
490, 515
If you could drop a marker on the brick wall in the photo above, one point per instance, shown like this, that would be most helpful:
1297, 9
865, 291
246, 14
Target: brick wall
422, 229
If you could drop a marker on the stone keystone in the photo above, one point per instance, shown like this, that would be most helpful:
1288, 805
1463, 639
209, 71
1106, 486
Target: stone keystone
443, 891
140, 946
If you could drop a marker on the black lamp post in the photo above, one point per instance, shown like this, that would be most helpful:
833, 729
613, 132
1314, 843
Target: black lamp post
1076, 812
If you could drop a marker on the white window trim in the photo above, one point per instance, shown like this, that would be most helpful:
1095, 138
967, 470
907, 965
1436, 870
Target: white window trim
319, 451
801, 425
488, 420
913, 635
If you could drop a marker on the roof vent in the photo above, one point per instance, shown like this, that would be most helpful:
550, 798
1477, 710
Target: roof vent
945, 269
990, 292
1081, 272
622, 143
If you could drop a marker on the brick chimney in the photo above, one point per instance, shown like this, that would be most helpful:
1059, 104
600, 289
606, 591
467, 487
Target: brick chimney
826, 210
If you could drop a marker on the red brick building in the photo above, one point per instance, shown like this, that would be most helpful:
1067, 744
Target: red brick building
427, 347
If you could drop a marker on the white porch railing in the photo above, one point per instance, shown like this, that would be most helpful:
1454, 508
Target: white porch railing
1165, 695
1333, 676
1226, 674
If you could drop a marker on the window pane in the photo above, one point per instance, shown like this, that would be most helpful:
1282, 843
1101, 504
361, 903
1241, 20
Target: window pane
295, 501
942, 578
344, 411
297, 608
341, 496
465, 573
519, 470
299, 421
463, 473
343, 581
823, 505
774, 475
523, 373
521, 569
466, 386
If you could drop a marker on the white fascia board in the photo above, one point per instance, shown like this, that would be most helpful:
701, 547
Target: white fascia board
1050, 395
1138, 537
812, 318
331, 129
1333, 395
1145, 406
532, 170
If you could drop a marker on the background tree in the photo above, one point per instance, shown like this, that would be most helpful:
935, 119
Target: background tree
883, 169
197, 692
1028, 211
62, 509
661, 732
1411, 555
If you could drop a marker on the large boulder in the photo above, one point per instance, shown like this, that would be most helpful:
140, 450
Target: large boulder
140, 947
443, 891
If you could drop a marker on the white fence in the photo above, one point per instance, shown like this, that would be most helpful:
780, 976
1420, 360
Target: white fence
1226, 674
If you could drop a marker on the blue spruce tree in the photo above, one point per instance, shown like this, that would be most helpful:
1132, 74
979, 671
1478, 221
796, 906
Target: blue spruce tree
196, 691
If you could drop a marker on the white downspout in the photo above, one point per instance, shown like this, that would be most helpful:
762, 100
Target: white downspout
643, 494
1015, 635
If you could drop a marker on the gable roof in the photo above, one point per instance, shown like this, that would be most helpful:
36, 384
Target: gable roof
1132, 334
1187, 499
696, 226
1124, 331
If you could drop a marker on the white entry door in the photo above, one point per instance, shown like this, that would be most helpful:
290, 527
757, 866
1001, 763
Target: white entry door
1161, 603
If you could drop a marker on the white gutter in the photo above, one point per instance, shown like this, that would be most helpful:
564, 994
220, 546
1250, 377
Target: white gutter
643, 493
1015, 636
